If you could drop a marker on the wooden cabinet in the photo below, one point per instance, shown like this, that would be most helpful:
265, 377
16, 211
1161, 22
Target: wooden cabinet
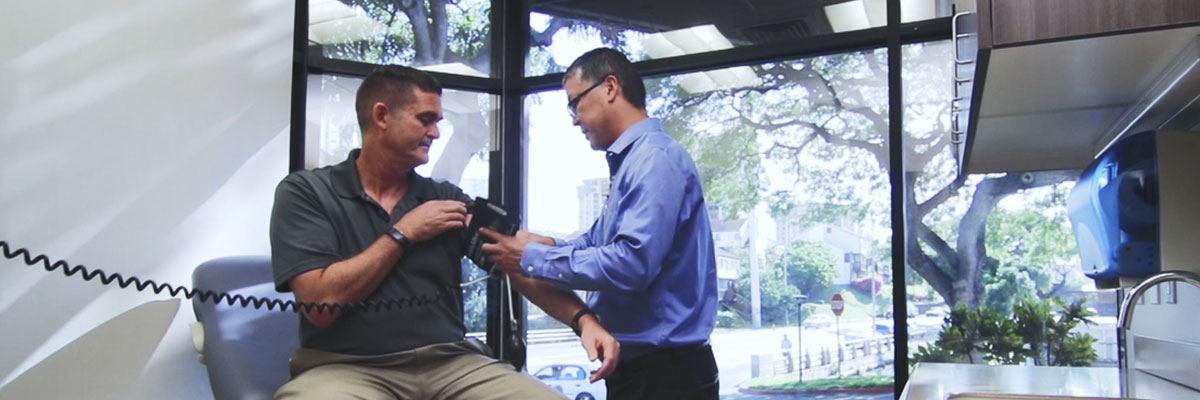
1016, 21
1154, 13
1019, 21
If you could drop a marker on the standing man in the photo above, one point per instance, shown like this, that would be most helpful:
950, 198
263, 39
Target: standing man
785, 347
371, 230
649, 257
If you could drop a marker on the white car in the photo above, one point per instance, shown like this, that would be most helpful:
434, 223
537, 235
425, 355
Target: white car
572, 381
937, 312
818, 321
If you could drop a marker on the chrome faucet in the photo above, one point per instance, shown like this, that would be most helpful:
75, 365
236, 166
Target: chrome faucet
1126, 315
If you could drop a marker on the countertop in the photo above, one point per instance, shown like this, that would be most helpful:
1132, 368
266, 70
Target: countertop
937, 381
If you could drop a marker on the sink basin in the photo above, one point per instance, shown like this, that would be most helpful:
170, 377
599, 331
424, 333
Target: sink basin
1002, 396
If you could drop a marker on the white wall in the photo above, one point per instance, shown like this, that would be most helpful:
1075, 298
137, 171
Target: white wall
140, 137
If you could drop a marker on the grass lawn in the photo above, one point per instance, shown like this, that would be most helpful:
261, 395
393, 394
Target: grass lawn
790, 384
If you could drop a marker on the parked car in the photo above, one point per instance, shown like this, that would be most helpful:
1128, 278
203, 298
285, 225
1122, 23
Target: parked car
818, 321
883, 327
572, 381
912, 311
937, 312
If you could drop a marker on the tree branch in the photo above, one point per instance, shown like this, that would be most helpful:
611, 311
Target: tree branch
950, 190
876, 150
943, 249
928, 269
546, 36
942, 281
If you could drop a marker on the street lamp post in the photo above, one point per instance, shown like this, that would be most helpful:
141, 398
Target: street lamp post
799, 339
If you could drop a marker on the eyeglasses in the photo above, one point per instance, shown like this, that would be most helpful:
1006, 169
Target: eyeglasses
574, 102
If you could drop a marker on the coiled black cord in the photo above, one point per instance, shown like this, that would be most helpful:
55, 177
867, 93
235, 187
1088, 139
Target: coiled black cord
209, 295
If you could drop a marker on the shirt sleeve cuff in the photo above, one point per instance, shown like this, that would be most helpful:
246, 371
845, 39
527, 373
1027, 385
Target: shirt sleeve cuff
533, 258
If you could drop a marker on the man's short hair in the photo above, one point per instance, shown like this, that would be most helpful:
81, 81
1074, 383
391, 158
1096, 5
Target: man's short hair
602, 62
392, 85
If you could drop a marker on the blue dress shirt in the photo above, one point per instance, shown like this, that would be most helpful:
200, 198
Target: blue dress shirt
649, 257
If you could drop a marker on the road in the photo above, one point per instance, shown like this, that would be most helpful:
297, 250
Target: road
733, 350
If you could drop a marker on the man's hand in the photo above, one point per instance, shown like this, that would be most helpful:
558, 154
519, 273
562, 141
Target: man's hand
537, 238
599, 344
432, 218
506, 251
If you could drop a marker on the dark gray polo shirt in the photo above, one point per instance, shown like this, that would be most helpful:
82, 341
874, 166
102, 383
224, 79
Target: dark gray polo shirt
322, 216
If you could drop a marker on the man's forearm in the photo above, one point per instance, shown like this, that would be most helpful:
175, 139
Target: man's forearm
348, 281
558, 302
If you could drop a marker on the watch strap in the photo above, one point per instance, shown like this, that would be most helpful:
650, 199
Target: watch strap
579, 315
400, 238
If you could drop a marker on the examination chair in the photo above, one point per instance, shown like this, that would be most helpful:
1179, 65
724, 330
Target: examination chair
245, 350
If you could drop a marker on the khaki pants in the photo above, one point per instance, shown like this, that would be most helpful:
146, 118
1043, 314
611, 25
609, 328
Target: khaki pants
456, 370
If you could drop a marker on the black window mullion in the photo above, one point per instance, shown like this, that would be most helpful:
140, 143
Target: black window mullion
897, 179
299, 87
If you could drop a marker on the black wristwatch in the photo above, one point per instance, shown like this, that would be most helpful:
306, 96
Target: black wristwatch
400, 238
575, 320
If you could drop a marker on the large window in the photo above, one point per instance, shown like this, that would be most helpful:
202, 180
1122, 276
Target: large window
437, 35
794, 157
794, 169
459, 156
993, 271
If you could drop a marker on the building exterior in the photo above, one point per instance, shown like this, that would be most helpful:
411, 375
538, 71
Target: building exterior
728, 265
847, 245
592, 195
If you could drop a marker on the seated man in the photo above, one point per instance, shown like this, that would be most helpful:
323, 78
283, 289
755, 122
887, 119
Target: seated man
370, 229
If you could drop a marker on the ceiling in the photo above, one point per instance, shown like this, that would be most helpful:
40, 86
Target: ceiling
743, 22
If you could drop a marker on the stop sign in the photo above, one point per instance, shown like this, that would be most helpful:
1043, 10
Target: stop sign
837, 304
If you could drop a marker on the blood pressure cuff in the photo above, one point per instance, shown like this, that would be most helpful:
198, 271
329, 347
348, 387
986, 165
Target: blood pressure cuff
490, 215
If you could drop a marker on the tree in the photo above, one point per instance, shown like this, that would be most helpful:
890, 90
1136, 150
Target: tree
824, 119
807, 266
422, 32
776, 297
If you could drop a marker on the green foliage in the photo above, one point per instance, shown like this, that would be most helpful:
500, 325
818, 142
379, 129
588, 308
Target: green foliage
468, 27
776, 298
726, 154
976, 336
803, 268
474, 299
729, 319
1049, 335
936, 354
807, 266
1034, 251
1004, 284
1033, 331
790, 384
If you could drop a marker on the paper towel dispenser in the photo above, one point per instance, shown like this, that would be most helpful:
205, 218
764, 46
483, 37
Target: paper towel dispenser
1136, 207
1114, 210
